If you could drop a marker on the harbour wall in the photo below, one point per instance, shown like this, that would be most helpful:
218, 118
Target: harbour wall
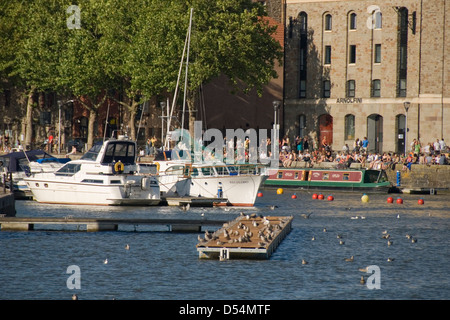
422, 177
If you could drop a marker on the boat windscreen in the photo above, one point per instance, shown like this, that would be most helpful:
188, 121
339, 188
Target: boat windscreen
92, 153
120, 150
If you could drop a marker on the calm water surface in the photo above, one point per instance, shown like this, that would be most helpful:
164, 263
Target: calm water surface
162, 265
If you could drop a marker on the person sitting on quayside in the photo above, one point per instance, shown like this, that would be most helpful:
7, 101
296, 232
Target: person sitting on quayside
74, 151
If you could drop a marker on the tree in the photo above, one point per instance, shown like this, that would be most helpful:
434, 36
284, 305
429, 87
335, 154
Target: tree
84, 68
230, 37
32, 51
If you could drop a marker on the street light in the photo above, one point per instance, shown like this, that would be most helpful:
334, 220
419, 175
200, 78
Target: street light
406, 105
162, 104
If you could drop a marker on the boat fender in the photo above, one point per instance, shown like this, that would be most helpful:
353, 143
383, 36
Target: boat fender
119, 167
157, 166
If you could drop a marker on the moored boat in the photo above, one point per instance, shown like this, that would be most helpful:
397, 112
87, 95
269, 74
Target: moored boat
106, 175
237, 183
20, 164
367, 180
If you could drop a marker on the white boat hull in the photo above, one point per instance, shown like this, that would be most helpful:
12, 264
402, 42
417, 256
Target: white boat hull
49, 190
239, 189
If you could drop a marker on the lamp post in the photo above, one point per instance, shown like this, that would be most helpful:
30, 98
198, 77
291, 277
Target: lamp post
60, 104
162, 104
276, 106
406, 105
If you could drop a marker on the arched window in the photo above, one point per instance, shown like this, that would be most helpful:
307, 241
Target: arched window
352, 21
328, 22
377, 19
349, 127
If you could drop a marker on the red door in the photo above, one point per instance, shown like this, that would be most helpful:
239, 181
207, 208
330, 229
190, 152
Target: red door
325, 129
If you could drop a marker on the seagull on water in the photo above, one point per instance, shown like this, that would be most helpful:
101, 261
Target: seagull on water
362, 281
304, 261
349, 259
127, 247
341, 242
390, 259
105, 261
74, 297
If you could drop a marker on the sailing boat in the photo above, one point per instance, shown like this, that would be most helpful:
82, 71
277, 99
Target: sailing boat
231, 184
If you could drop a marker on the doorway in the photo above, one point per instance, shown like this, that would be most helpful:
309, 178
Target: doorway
375, 133
326, 129
400, 124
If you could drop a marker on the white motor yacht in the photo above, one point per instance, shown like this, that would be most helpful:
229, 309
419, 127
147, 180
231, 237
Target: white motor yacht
106, 175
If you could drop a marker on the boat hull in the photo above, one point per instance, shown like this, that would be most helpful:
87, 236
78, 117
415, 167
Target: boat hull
77, 193
347, 180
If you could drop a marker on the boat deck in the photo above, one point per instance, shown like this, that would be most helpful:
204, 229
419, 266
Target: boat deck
248, 237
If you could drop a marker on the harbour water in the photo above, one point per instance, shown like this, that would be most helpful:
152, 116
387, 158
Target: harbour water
161, 265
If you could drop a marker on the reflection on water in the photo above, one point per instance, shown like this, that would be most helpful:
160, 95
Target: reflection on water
165, 265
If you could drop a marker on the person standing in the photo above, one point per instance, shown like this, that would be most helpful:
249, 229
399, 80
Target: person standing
417, 147
50, 143
365, 144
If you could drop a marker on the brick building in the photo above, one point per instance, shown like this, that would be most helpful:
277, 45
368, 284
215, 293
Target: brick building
357, 69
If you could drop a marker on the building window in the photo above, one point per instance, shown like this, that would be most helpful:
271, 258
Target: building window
303, 53
302, 126
327, 59
302, 89
352, 22
377, 17
351, 88
376, 88
328, 20
45, 118
402, 88
377, 53
402, 52
326, 88
352, 54
349, 127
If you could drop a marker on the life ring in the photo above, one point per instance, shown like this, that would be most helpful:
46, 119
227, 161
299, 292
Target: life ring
157, 166
119, 167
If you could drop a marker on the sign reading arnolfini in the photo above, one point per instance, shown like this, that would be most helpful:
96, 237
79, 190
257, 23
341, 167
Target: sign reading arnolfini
349, 100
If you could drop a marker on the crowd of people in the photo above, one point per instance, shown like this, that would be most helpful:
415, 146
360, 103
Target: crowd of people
429, 154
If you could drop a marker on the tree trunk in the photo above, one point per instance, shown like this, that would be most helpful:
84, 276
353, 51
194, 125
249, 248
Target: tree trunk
93, 114
132, 121
29, 119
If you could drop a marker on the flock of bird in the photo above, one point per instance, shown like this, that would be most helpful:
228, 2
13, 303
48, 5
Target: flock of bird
384, 235
244, 232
